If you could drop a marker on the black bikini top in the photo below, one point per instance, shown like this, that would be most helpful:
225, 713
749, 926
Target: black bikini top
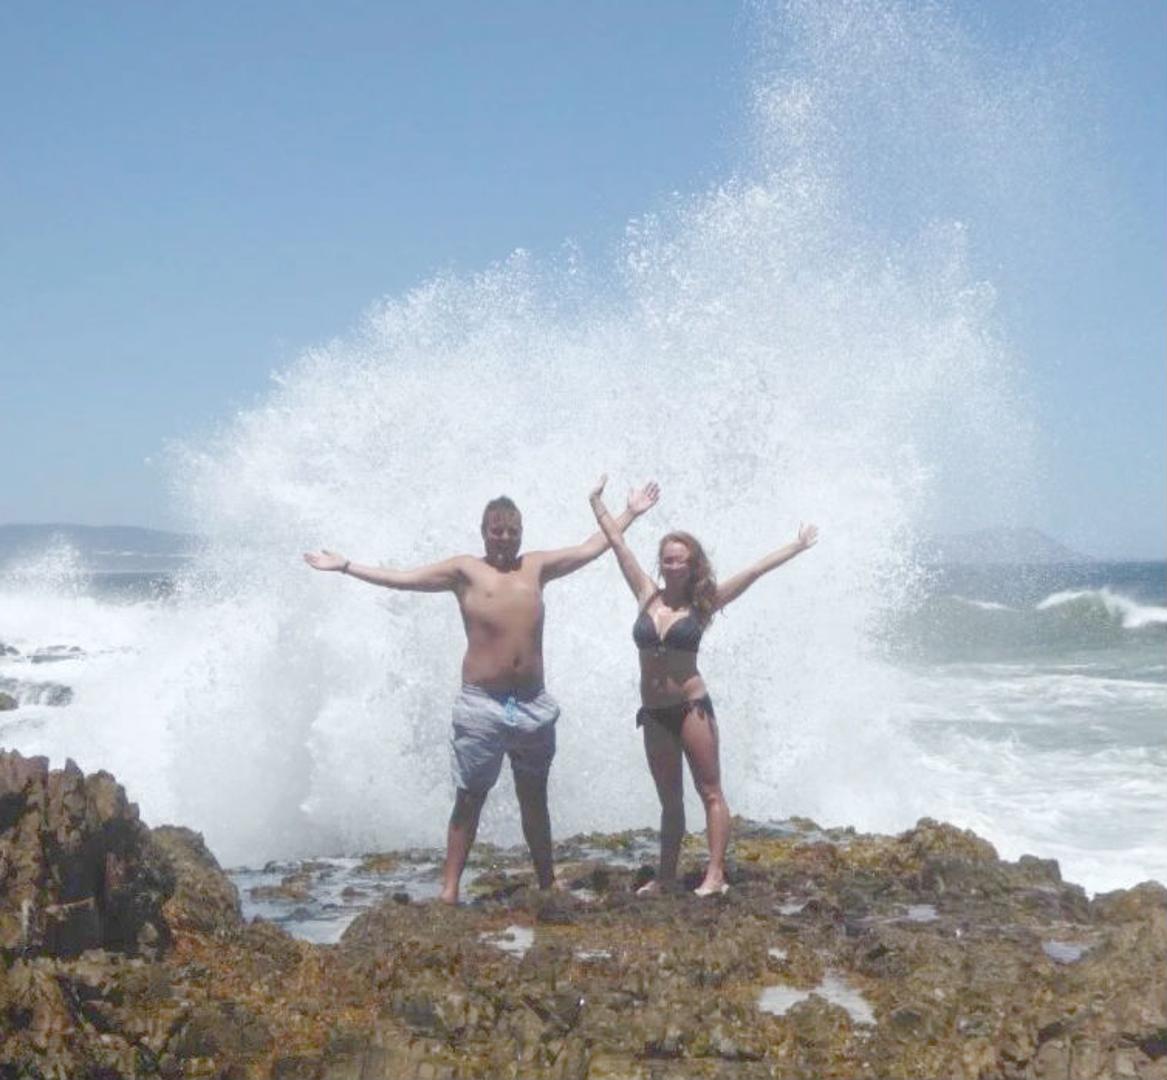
684, 634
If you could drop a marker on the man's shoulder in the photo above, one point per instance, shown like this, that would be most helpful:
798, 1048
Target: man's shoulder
533, 561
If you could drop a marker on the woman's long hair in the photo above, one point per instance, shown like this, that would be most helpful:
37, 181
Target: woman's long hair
702, 584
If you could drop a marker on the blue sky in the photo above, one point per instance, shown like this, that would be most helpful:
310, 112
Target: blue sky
192, 194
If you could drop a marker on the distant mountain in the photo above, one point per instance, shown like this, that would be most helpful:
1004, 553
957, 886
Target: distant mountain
101, 547
1018, 546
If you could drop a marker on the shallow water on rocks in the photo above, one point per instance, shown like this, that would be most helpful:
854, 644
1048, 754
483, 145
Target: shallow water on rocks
1063, 952
316, 900
778, 1000
922, 913
515, 940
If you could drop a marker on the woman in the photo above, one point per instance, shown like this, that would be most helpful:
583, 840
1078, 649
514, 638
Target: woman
676, 712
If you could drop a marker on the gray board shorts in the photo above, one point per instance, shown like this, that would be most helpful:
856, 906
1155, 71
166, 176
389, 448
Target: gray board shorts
487, 725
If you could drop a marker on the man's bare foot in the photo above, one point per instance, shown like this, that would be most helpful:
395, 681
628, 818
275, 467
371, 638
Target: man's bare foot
711, 888
447, 897
649, 888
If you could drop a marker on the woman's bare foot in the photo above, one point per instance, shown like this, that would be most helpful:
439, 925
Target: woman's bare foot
711, 888
448, 897
649, 888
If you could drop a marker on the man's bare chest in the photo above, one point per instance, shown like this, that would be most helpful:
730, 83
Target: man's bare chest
501, 598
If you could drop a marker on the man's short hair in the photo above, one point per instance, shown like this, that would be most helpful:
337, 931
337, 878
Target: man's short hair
504, 504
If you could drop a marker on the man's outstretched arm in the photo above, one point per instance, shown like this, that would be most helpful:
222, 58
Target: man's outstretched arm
556, 564
437, 577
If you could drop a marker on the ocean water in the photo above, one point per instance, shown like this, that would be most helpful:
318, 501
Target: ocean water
1030, 705
1041, 693
818, 336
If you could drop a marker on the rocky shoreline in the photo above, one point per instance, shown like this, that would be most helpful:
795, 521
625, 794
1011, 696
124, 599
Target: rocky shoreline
836, 954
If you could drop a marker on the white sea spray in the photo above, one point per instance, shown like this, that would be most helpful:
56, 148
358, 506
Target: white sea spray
813, 338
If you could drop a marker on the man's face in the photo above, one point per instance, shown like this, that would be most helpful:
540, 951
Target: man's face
502, 534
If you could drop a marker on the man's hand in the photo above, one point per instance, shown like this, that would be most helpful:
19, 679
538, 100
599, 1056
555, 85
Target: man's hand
641, 500
325, 560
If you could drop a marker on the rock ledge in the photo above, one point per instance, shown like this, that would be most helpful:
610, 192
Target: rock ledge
835, 954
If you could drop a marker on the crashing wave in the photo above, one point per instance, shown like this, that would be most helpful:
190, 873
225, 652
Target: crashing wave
1129, 613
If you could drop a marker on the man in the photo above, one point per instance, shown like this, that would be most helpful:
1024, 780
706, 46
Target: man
504, 707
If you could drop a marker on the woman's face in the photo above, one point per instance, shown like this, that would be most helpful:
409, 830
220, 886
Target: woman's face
674, 564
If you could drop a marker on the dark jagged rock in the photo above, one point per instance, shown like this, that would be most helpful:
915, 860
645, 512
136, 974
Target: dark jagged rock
1128, 904
224, 1031
52, 654
77, 870
35, 693
7, 702
203, 899
835, 954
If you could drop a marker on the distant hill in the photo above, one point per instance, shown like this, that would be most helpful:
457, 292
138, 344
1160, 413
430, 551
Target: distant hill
102, 547
1018, 546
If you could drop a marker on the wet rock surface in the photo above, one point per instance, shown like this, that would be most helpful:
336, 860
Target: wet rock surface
25, 692
834, 955
203, 899
54, 654
77, 869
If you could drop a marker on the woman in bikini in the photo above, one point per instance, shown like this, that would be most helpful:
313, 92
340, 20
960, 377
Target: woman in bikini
676, 712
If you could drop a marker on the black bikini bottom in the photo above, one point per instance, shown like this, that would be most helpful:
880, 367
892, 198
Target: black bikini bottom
673, 716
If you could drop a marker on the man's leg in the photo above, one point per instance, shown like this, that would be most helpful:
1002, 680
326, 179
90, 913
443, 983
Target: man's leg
531, 789
459, 837
476, 752
531, 746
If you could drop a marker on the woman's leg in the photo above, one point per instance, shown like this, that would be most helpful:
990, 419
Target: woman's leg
663, 750
700, 743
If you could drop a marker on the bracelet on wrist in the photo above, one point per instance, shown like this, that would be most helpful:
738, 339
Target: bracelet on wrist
347, 564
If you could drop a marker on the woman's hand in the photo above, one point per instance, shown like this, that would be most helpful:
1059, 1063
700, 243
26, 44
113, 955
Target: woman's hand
641, 500
807, 535
325, 560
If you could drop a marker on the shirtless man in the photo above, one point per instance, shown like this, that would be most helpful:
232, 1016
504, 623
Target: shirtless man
503, 706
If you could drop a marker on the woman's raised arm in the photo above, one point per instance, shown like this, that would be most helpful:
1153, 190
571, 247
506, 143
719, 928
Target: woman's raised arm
639, 501
732, 588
